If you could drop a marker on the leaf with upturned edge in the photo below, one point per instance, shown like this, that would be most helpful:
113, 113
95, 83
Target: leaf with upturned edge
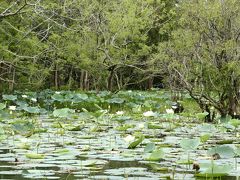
136, 143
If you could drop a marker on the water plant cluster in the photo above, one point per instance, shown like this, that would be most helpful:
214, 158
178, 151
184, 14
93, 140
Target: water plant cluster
102, 135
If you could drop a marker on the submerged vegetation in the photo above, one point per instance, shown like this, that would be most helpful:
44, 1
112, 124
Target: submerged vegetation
102, 135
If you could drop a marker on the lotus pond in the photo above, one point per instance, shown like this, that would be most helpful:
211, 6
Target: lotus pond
100, 135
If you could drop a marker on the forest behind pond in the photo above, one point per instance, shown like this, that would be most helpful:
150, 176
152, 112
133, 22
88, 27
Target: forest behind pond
190, 46
119, 89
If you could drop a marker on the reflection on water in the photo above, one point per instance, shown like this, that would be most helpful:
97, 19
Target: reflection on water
112, 170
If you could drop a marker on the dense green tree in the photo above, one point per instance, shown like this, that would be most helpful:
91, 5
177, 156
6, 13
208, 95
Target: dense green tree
20, 47
203, 55
87, 44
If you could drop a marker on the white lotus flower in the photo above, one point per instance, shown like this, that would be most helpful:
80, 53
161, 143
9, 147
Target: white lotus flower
237, 135
119, 112
169, 111
103, 111
141, 126
12, 108
24, 140
24, 96
34, 99
149, 114
129, 138
57, 92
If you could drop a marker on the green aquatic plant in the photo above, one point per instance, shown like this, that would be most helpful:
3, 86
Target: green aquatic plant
23, 127
88, 127
31, 110
63, 113
2, 106
121, 119
201, 116
149, 147
135, 143
235, 123
34, 156
224, 151
9, 97
156, 155
205, 137
189, 145
212, 170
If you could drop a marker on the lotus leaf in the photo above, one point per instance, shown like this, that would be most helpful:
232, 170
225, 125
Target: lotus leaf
2, 106
149, 147
115, 101
9, 97
224, 151
62, 113
213, 170
189, 144
235, 122
134, 144
32, 110
156, 155
34, 156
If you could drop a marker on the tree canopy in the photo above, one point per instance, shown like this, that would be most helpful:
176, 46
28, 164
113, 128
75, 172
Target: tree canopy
203, 54
102, 44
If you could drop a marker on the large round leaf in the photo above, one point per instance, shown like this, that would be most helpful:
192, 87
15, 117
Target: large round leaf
58, 97
149, 147
31, 110
224, 151
208, 128
115, 101
189, 144
122, 119
81, 96
9, 97
2, 106
213, 170
156, 155
62, 113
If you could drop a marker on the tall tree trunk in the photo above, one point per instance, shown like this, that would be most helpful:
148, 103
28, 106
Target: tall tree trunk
11, 83
110, 81
111, 69
70, 78
81, 79
118, 83
56, 77
86, 84
150, 83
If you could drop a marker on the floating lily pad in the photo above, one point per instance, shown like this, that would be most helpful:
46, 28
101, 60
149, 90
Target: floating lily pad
149, 147
32, 110
63, 113
122, 119
115, 101
156, 155
34, 156
9, 97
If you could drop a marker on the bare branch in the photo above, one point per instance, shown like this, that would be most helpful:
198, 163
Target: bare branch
7, 13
